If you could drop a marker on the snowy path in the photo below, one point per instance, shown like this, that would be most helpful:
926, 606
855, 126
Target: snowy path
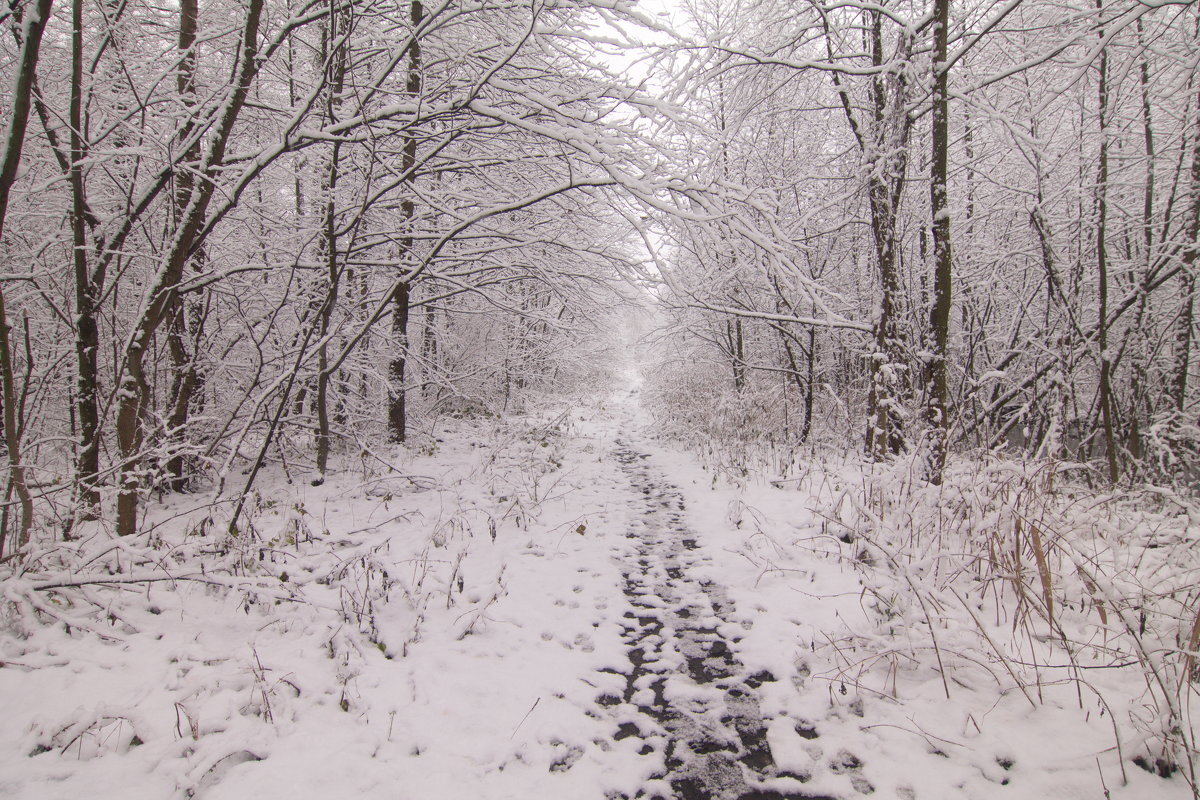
694, 702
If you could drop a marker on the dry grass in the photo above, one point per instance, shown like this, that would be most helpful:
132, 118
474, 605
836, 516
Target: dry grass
1052, 578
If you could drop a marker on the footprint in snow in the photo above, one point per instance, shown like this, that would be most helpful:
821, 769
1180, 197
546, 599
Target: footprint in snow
702, 716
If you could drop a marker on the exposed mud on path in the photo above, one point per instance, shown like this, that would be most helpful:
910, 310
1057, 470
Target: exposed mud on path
687, 696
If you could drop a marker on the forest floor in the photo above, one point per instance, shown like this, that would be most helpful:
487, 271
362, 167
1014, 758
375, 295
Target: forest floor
559, 606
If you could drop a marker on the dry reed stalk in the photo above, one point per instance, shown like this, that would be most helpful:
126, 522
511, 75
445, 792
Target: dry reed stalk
1018, 576
993, 561
1039, 554
1098, 603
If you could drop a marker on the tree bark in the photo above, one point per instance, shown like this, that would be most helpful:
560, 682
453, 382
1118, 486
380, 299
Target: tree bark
12, 434
31, 42
735, 341
1187, 277
87, 294
429, 348
1106, 400
397, 408
939, 315
186, 380
337, 30
884, 144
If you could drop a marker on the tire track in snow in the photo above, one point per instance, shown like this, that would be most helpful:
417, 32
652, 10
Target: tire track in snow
686, 693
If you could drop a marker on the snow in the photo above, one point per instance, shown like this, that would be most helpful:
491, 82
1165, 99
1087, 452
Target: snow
455, 628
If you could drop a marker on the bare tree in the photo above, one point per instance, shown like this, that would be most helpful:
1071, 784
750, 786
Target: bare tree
939, 316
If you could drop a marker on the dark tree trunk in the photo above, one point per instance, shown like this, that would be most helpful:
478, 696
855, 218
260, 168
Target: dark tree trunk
1106, 399
810, 385
12, 435
397, 409
735, 342
185, 380
1187, 278
336, 56
884, 142
9, 161
939, 316
429, 347
87, 291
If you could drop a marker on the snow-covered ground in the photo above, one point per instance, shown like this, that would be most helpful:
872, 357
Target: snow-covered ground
558, 607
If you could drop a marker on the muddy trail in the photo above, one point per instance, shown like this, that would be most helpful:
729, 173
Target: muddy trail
687, 696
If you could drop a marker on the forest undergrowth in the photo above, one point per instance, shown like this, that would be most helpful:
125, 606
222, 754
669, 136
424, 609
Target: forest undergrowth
194, 647
1030, 584
1015, 578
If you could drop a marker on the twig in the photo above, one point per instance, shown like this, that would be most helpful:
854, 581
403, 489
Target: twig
522, 722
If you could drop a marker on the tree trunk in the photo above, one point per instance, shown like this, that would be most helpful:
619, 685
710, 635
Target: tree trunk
12, 434
810, 385
429, 348
1183, 336
1106, 400
735, 342
939, 315
87, 293
336, 59
14, 143
397, 410
1187, 278
1139, 387
885, 145
805, 387
185, 378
